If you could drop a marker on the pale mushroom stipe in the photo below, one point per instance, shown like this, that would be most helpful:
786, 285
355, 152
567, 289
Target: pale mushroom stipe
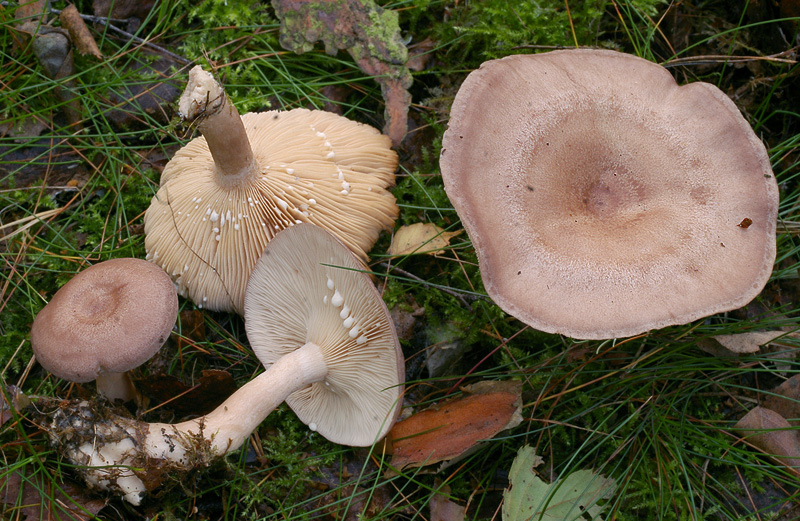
108, 319
603, 199
344, 382
226, 194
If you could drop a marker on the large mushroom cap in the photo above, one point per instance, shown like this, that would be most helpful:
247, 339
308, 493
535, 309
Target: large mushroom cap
309, 288
207, 231
603, 199
109, 318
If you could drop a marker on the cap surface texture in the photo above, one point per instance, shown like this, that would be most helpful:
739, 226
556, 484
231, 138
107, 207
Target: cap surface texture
111, 317
603, 199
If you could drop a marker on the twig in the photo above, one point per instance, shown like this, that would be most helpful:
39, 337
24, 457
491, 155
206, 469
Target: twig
711, 58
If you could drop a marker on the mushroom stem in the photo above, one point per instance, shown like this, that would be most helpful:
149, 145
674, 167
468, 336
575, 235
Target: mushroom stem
204, 101
229, 425
133, 457
116, 386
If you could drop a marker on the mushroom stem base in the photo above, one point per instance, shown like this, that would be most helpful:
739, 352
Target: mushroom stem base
131, 457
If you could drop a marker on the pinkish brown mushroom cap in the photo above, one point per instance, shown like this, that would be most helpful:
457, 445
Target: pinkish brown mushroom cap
109, 318
603, 199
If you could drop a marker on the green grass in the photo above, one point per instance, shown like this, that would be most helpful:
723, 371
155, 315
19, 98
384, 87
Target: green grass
654, 412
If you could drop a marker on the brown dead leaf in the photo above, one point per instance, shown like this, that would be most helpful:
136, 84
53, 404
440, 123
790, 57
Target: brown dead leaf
770, 432
213, 387
450, 429
368, 32
82, 39
786, 400
28, 497
193, 328
419, 55
744, 343
442, 509
420, 238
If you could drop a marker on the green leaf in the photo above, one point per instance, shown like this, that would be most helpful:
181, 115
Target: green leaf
572, 498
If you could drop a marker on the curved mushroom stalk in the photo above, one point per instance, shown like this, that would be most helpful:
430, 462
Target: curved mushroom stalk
345, 382
133, 457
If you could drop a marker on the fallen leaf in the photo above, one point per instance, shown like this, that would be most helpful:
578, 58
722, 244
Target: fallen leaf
368, 32
193, 328
450, 429
786, 400
420, 238
28, 497
442, 509
419, 54
567, 499
82, 39
11, 398
405, 316
770, 432
744, 343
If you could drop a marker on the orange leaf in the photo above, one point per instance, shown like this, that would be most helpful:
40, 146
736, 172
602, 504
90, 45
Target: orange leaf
450, 429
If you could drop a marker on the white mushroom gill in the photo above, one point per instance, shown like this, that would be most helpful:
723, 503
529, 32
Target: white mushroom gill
309, 166
346, 322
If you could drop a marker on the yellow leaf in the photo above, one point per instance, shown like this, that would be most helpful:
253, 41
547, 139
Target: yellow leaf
420, 238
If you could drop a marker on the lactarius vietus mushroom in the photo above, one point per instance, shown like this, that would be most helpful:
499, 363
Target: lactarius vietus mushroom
108, 319
345, 382
603, 199
226, 194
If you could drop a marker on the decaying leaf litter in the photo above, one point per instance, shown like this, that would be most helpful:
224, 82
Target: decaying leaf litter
563, 404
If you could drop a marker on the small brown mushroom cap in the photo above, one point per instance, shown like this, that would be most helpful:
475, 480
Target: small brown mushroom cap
603, 199
309, 288
109, 318
207, 229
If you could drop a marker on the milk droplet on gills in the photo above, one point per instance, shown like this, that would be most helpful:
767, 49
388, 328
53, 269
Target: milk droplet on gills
360, 340
330, 284
353, 332
312, 426
337, 299
348, 322
344, 313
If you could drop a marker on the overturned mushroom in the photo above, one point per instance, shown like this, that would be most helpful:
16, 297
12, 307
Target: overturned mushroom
226, 194
603, 199
108, 319
345, 382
